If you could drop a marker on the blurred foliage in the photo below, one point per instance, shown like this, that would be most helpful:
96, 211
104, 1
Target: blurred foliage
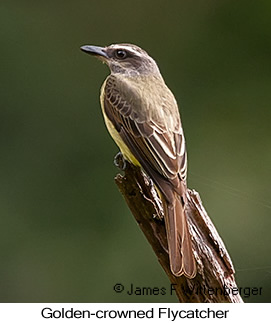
66, 233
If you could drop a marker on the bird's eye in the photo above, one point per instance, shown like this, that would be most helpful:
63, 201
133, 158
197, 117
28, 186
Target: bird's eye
120, 54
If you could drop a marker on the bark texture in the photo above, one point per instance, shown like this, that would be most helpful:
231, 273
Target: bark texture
215, 280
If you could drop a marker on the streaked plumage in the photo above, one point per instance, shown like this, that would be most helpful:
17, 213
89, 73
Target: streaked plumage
142, 116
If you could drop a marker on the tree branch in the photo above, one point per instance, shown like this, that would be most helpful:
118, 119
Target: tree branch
214, 281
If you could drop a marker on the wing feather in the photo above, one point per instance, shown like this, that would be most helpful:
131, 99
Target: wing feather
152, 131
154, 134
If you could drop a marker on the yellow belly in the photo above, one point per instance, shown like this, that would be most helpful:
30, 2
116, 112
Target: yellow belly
115, 135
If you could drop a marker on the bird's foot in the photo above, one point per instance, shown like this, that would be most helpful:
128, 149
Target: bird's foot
119, 161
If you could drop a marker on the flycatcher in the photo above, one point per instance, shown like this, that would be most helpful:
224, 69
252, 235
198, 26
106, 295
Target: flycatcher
142, 116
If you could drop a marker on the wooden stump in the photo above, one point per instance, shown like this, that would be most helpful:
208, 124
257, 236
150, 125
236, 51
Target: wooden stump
214, 281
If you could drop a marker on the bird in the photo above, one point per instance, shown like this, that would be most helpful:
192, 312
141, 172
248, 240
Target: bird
142, 116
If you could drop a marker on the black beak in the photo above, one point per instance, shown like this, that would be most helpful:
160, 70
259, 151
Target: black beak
94, 50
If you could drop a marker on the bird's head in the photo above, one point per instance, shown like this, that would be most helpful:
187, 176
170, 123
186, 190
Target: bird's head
125, 59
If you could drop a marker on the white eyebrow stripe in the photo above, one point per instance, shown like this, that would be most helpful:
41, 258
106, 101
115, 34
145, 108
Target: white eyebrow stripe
129, 48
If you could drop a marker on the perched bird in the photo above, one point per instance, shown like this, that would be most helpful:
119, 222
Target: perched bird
142, 116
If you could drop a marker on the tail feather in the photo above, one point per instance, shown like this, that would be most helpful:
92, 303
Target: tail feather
181, 256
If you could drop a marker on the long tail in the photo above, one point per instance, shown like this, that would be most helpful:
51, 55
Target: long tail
181, 257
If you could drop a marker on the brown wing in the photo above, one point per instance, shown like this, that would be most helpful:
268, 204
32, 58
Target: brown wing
151, 130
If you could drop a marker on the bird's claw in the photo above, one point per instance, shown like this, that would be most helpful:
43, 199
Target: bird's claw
119, 161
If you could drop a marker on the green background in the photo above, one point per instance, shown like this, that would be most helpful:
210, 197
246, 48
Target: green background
66, 233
